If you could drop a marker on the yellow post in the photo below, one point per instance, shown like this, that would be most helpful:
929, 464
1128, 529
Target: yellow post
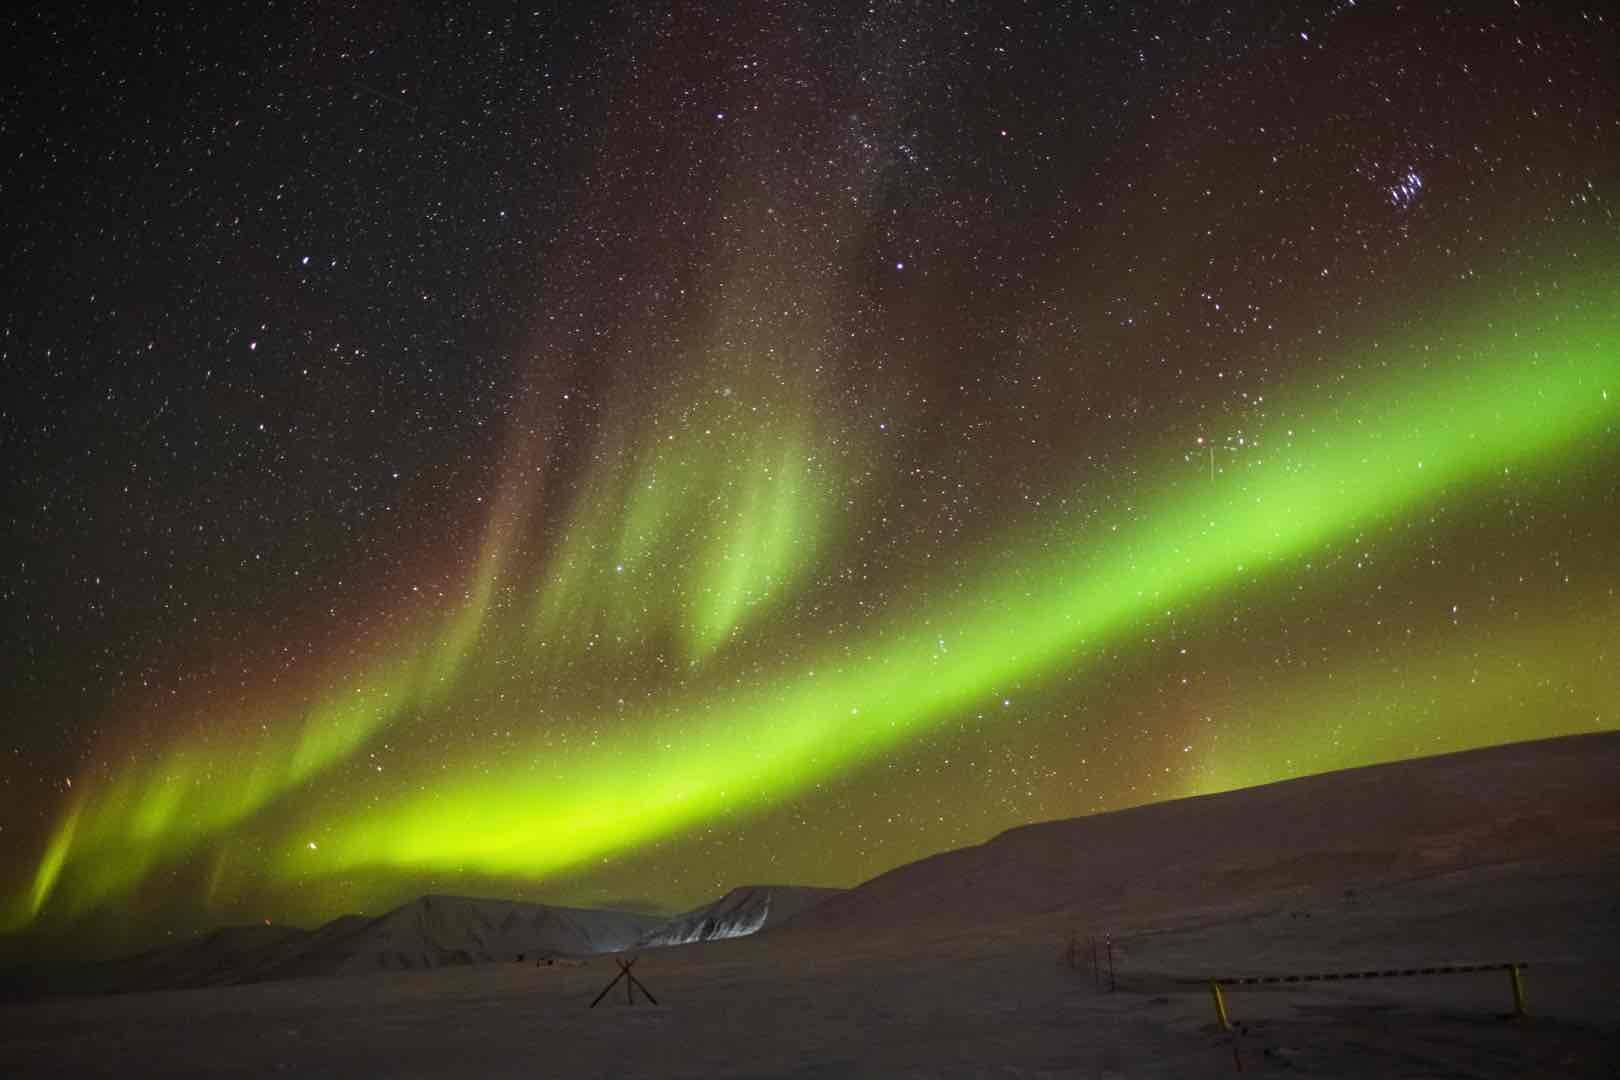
1220, 1005
1518, 989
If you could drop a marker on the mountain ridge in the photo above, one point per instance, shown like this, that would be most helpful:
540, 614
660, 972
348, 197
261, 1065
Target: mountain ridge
1325, 831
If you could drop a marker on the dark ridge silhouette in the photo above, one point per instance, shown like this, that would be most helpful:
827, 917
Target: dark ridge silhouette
1332, 831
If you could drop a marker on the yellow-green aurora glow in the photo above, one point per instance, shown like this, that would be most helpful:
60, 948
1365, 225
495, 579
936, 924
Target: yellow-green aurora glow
1527, 388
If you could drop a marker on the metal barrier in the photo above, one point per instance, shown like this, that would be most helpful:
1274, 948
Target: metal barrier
1515, 976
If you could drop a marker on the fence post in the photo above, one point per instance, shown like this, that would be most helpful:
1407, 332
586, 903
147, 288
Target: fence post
1518, 989
1220, 1005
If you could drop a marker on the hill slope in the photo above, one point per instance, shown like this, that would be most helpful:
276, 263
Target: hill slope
1327, 832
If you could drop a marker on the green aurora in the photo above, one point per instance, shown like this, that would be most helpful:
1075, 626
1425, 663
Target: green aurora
1526, 387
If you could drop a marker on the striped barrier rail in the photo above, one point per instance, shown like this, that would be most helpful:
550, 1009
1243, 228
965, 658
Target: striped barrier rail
1515, 975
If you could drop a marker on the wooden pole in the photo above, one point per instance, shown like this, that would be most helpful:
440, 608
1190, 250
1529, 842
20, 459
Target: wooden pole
608, 987
643, 988
1518, 989
631, 984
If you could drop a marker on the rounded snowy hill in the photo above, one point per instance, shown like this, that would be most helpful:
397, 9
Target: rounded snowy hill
1328, 832
429, 932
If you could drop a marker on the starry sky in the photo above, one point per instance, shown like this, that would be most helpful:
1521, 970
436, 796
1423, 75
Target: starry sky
609, 453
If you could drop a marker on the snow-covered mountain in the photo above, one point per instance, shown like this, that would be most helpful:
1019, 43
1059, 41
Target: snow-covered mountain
429, 932
742, 911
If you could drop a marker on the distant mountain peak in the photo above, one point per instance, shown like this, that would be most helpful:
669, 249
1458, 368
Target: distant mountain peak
435, 930
745, 910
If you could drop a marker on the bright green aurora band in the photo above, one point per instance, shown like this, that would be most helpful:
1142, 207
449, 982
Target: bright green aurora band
1533, 386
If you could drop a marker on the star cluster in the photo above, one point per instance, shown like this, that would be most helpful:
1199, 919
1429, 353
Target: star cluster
611, 453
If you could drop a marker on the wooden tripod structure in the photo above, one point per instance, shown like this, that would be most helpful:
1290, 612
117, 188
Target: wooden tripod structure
631, 984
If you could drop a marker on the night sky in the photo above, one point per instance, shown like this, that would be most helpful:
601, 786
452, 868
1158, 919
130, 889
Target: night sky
609, 453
